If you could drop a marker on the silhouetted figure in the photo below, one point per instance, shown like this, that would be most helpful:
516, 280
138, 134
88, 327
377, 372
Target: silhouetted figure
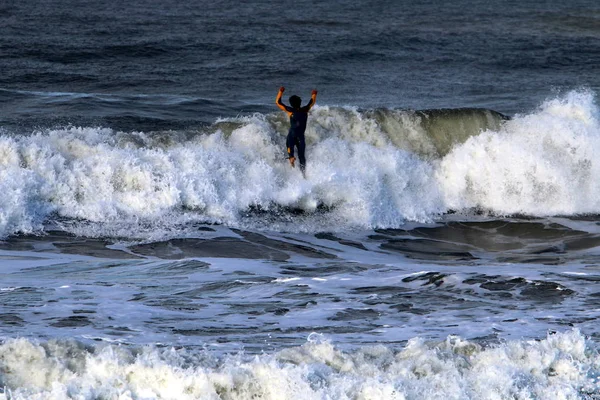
298, 117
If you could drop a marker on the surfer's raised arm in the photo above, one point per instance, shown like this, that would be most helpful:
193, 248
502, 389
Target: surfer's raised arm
280, 103
312, 101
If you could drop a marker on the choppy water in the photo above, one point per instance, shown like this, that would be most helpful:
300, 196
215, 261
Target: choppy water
157, 245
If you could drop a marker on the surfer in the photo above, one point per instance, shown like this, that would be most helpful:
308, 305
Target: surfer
298, 116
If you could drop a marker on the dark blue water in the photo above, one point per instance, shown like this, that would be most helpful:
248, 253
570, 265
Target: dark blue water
169, 64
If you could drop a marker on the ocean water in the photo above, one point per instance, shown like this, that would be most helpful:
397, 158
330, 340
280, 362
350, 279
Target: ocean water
156, 244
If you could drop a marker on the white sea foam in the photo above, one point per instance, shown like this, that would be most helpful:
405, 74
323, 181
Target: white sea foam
561, 366
359, 172
541, 164
91, 174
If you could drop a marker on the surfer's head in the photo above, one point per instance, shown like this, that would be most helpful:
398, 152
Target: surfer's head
295, 101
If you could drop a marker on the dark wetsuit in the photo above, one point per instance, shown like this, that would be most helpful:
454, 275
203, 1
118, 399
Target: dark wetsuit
295, 137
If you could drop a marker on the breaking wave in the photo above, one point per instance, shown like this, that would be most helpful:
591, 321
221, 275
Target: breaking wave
366, 169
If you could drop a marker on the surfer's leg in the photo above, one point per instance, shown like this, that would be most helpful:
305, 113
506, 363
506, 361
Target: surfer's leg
301, 147
290, 143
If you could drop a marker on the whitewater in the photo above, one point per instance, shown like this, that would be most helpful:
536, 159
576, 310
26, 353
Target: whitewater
451, 369
366, 169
